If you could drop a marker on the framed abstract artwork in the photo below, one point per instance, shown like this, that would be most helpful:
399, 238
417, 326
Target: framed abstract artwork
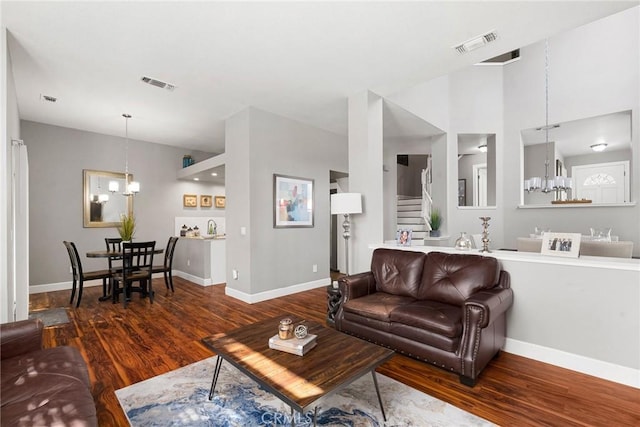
292, 201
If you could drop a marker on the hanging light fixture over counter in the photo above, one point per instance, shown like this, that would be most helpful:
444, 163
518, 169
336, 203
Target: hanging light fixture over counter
133, 187
553, 182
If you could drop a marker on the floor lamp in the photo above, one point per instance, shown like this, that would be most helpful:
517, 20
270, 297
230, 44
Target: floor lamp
346, 204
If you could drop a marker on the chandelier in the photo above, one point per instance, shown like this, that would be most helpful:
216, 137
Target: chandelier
549, 182
133, 187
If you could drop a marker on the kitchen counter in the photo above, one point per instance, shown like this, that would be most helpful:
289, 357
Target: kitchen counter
201, 260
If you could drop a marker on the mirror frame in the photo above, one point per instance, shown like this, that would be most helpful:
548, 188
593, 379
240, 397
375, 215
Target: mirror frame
87, 174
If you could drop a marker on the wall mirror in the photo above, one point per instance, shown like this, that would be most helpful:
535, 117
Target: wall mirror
102, 207
595, 153
477, 170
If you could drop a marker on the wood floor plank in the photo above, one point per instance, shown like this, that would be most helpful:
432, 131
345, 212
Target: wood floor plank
124, 346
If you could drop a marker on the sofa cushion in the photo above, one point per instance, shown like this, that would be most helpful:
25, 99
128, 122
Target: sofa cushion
452, 278
409, 337
443, 319
47, 387
397, 272
376, 306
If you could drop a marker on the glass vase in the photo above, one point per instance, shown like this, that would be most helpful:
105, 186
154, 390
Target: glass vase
463, 243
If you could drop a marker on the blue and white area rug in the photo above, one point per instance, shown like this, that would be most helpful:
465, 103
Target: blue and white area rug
180, 398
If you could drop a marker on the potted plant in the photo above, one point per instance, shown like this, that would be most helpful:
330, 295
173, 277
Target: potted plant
435, 221
127, 227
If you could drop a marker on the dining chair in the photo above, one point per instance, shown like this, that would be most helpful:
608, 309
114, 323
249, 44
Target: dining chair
620, 249
79, 275
168, 262
137, 262
114, 244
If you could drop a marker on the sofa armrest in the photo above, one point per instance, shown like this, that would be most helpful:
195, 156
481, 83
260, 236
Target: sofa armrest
20, 337
504, 281
357, 285
487, 305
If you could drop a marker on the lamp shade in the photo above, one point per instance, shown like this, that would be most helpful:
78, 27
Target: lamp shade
346, 203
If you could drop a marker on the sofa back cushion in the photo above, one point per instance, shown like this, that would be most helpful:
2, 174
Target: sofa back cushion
452, 278
397, 272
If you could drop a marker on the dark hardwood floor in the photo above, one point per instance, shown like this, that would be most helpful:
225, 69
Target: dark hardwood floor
125, 346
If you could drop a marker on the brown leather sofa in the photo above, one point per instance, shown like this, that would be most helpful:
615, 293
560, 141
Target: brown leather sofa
42, 387
446, 309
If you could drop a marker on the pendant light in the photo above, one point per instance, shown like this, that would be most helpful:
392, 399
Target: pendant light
548, 183
133, 187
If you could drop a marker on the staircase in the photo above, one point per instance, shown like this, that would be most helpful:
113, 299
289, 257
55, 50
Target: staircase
409, 216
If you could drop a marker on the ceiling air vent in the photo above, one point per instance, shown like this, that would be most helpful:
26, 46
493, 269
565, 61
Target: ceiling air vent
47, 98
158, 83
476, 42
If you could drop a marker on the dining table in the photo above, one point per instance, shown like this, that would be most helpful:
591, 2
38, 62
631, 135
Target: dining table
104, 253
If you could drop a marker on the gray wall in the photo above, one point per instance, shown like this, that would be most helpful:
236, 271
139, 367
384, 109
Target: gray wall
57, 157
260, 144
410, 177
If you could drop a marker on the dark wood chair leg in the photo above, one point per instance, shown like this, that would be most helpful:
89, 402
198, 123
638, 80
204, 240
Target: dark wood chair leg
80, 286
150, 290
73, 291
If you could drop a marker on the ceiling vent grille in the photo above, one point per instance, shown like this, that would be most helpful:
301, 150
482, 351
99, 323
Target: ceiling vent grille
476, 42
158, 83
47, 98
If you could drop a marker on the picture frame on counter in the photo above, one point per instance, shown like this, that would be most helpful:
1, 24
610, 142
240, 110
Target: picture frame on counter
190, 201
206, 200
220, 202
561, 244
293, 204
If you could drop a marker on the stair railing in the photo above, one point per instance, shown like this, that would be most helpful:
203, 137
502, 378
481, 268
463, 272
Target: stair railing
427, 202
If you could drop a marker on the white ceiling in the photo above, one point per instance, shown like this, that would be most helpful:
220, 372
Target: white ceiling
298, 59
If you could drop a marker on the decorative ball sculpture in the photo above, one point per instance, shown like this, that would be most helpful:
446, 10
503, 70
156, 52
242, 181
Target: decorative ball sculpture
300, 331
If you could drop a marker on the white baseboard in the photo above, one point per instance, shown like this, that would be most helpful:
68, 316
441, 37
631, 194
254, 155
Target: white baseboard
597, 368
194, 279
275, 293
63, 286
60, 286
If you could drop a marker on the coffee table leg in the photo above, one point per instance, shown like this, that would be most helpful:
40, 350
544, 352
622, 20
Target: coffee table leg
375, 382
216, 372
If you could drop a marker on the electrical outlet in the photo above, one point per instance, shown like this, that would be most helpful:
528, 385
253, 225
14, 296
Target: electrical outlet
188, 263
235, 274
315, 268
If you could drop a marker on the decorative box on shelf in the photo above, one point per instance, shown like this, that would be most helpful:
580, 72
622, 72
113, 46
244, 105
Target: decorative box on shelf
299, 346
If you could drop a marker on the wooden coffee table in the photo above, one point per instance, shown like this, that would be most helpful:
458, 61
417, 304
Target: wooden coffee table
299, 381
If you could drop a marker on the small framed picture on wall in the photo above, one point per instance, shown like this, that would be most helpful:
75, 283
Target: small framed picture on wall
205, 201
190, 201
221, 202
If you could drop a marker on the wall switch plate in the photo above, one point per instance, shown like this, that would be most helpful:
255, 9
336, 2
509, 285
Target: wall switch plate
235, 274
315, 268
188, 262
243, 231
